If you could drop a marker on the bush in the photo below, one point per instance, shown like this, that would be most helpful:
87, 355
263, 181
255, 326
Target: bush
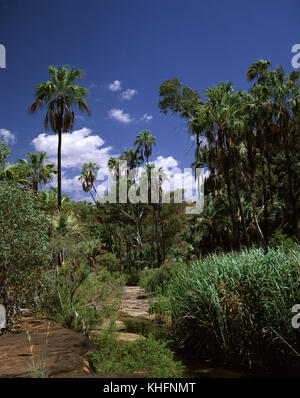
24, 248
282, 240
133, 278
110, 262
80, 299
152, 279
148, 356
239, 305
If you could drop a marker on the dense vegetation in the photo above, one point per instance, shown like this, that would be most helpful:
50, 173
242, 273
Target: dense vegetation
147, 355
227, 277
238, 306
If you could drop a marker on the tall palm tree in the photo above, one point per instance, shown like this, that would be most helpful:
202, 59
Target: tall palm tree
218, 117
132, 157
36, 171
285, 100
185, 101
60, 96
114, 165
88, 176
145, 141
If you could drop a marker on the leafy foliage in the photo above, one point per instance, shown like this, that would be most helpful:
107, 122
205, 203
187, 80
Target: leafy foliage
24, 244
239, 305
81, 299
148, 356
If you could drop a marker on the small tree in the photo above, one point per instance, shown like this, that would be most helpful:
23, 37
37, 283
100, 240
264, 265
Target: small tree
24, 250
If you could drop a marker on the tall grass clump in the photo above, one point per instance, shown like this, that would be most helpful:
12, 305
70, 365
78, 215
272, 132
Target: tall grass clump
238, 305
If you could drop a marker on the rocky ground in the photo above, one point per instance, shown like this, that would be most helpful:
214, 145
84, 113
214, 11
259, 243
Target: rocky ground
135, 302
56, 351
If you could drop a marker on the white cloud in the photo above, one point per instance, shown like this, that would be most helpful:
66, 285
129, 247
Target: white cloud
177, 178
128, 94
120, 116
7, 136
146, 117
83, 146
165, 163
115, 86
78, 147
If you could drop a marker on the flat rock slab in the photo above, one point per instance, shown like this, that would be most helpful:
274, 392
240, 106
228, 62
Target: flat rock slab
63, 355
134, 302
126, 337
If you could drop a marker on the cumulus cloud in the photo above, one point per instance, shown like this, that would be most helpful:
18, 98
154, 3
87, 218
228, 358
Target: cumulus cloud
146, 117
78, 147
7, 136
177, 178
120, 116
165, 163
83, 146
115, 86
128, 94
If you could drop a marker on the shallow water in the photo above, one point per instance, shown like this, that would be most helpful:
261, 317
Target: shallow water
195, 367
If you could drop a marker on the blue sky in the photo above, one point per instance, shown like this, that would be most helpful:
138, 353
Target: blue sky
135, 44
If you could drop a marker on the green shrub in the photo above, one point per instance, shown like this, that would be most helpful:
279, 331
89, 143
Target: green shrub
24, 247
81, 299
239, 305
133, 278
279, 239
148, 356
110, 262
151, 279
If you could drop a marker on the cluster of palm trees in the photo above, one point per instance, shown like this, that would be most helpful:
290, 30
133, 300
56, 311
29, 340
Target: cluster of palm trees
134, 157
125, 223
249, 141
246, 139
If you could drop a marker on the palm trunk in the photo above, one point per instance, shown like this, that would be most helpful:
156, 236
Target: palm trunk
231, 208
162, 233
265, 203
157, 241
292, 198
59, 170
197, 165
240, 207
35, 187
269, 174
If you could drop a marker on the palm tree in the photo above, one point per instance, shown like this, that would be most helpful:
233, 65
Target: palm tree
60, 95
88, 176
218, 117
285, 100
132, 157
15, 174
37, 172
114, 165
145, 141
185, 101
258, 70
